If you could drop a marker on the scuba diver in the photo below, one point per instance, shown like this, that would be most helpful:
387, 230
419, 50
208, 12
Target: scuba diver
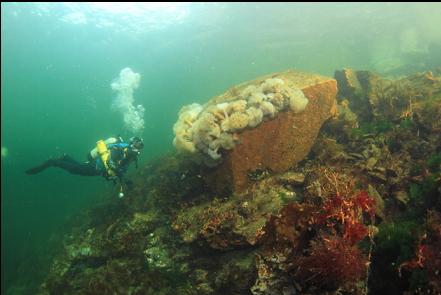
110, 158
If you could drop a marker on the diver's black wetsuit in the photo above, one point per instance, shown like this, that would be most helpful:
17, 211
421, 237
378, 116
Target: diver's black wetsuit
69, 164
89, 168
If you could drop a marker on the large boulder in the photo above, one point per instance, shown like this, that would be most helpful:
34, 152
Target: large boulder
278, 144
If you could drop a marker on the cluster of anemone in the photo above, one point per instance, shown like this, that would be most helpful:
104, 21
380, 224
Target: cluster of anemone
214, 127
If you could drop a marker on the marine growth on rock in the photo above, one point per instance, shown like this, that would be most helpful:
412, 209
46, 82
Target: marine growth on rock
213, 127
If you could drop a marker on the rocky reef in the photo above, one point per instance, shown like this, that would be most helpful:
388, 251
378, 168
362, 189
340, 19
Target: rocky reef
359, 212
267, 124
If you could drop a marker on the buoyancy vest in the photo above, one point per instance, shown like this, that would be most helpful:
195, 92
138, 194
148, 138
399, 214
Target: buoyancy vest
102, 155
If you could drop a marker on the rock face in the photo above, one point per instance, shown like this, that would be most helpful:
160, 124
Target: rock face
375, 98
235, 222
303, 231
280, 143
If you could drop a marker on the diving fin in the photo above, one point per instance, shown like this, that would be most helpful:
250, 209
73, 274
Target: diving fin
39, 168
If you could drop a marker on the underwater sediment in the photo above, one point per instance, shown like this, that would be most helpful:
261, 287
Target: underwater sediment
272, 194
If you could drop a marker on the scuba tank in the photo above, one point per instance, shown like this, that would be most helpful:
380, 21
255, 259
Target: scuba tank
104, 154
94, 153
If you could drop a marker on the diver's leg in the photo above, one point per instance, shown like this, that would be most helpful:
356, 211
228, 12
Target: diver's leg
67, 163
74, 167
49, 163
68, 158
40, 168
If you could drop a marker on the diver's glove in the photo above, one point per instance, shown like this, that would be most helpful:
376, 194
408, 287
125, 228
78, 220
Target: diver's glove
110, 177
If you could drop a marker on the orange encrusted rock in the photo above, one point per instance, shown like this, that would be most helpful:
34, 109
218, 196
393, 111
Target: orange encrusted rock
279, 143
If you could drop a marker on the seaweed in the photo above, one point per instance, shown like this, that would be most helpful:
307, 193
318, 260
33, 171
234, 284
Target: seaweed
434, 163
427, 257
394, 244
331, 263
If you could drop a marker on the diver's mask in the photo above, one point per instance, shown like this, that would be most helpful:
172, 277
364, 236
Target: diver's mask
136, 145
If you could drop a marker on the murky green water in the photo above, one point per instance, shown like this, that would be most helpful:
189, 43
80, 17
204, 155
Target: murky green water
58, 61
